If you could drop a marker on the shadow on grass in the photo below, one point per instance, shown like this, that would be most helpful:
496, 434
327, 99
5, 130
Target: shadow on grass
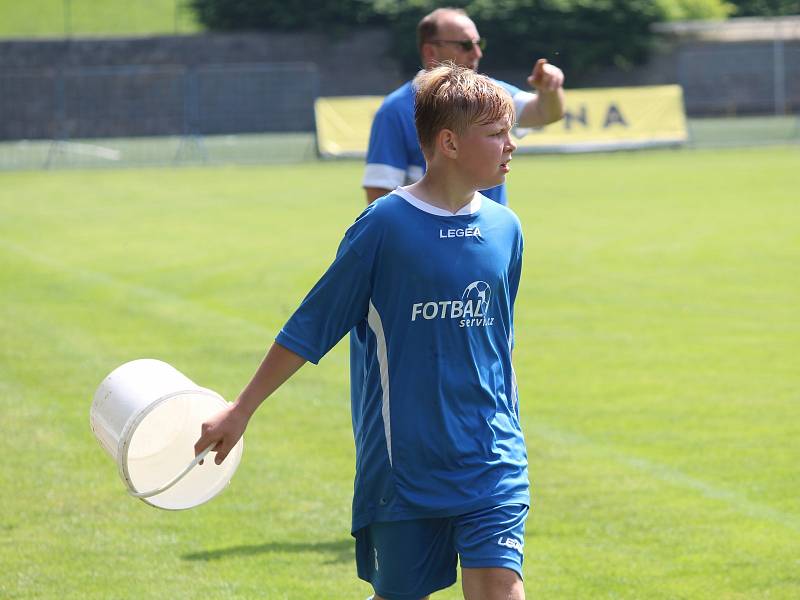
336, 552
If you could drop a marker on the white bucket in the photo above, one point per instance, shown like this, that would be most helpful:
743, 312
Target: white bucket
147, 415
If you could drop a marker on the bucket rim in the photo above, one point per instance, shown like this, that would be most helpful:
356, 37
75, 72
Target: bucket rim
127, 431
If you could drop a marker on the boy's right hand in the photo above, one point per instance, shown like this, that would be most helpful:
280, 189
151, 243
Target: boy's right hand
221, 432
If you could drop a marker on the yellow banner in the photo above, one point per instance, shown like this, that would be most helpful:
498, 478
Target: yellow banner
596, 119
343, 124
614, 118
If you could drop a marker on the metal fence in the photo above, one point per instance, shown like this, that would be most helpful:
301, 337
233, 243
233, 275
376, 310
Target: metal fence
741, 79
113, 114
737, 67
249, 113
155, 100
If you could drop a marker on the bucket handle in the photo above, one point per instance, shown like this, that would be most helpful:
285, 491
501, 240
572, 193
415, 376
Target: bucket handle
175, 479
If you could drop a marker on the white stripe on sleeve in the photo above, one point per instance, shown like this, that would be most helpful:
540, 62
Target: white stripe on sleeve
520, 100
383, 176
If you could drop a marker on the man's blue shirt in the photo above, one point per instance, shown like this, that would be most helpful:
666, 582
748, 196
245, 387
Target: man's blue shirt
428, 299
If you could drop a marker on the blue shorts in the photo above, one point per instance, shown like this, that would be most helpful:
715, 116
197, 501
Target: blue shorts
407, 560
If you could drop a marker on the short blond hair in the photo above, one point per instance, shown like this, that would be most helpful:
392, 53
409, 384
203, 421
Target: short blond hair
455, 98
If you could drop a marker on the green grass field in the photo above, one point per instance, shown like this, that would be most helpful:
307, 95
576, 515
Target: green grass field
58, 18
658, 330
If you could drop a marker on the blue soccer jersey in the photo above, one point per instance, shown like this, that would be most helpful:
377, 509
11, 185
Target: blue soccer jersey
428, 299
394, 157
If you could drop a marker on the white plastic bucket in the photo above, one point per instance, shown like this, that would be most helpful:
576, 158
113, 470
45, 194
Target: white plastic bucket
147, 415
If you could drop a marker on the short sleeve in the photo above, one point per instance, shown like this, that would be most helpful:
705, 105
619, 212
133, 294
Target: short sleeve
387, 160
338, 301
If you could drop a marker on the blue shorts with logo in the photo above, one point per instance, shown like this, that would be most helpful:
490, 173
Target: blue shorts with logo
407, 560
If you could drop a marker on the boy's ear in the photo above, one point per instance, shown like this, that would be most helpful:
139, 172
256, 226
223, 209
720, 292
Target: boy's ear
447, 140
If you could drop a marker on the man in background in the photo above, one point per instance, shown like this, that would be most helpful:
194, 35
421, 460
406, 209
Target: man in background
394, 157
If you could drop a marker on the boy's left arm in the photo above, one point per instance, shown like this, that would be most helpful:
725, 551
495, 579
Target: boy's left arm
223, 430
548, 104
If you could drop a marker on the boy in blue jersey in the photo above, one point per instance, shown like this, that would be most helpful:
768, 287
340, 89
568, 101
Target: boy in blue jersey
425, 282
394, 156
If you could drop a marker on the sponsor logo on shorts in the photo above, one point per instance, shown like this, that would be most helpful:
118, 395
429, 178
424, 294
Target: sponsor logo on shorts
471, 310
510, 543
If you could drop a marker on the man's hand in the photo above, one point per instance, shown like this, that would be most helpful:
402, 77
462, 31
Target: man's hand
546, 77
547, 106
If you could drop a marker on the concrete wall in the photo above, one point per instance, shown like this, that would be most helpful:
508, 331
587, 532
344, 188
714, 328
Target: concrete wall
352, 65
183, 85
721, 78
718, 78
219, 83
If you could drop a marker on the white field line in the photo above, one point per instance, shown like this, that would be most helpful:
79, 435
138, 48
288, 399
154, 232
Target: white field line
734, 499
90, 150
140, 291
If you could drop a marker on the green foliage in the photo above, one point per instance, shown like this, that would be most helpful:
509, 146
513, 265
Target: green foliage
687, 10
284, 15
577, 34
766, 8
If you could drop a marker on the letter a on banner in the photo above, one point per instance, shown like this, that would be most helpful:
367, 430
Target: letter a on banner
614, 115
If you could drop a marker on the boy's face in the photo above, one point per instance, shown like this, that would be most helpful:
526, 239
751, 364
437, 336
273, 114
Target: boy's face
484, 153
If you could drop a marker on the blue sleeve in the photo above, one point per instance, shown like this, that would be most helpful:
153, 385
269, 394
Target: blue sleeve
521, 98
386, 139
338, 301
511, 89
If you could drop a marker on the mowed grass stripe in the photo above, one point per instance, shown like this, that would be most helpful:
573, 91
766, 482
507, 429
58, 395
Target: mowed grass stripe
148, 298
734, 499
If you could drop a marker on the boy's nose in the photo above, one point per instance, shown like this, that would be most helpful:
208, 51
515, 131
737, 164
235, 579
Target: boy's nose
510, 143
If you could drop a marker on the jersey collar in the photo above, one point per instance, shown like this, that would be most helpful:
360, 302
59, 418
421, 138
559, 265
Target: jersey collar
469, 209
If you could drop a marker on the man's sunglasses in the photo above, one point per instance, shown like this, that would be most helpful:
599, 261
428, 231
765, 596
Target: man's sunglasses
465, 45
